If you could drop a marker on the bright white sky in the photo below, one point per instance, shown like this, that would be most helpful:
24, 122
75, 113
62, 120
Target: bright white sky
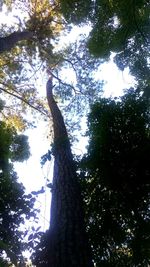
30, 172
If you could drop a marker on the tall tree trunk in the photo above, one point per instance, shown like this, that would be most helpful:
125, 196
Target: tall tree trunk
8, 42
68, 241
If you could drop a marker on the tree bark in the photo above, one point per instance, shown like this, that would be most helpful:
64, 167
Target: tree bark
8, 42
68, 244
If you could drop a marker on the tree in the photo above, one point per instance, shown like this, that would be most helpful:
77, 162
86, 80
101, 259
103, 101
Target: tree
15, 205
38, 30
39, 23
67, 244
24, 48
116, 26
116, 181
75, 83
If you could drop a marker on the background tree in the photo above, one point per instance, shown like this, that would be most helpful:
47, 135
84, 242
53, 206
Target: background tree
116, 181
15, 205
116, 26
25, 47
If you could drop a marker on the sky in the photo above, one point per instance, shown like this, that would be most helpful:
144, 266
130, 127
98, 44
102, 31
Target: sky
30, 172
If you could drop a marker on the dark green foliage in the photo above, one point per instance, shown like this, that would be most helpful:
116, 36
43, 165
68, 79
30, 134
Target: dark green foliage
116, 26
75, 11
117, 181
15, 206
42, 251
12, 145
20, 148
117, 22
5, 143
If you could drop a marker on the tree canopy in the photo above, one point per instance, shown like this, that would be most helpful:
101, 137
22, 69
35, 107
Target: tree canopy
116, 181
15, 205
116, 26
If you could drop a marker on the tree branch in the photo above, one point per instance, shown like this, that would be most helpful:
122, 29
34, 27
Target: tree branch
8, 42
61, 82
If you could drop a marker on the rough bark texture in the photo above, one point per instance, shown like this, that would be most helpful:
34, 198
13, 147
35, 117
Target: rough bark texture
68, 242
8, 42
